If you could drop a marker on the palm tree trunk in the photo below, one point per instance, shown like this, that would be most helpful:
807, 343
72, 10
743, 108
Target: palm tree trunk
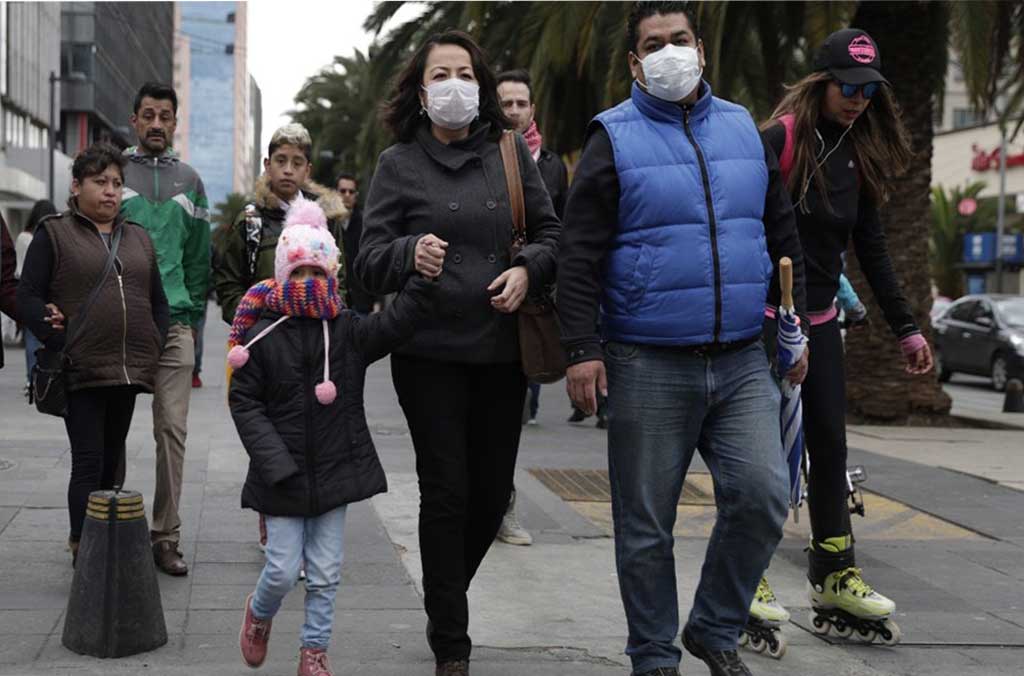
912, 39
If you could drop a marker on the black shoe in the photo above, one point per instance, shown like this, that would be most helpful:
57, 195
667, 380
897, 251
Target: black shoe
577, 416
660, 671
602, 422
721, 663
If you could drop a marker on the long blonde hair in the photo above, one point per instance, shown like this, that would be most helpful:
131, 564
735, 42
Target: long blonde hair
880, 141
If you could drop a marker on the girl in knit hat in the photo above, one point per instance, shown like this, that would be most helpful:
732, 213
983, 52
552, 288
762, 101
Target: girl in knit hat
296, 396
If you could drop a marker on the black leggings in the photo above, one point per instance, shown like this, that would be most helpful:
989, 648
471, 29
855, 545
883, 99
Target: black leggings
465, 421
97, 424
824, 400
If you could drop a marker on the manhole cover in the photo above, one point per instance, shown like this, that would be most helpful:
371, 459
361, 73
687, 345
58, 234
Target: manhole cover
591, 485
6, 465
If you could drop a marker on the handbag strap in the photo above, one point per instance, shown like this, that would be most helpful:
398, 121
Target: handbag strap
115, 242
514, 181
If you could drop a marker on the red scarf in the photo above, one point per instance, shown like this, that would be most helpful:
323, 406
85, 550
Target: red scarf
533, 140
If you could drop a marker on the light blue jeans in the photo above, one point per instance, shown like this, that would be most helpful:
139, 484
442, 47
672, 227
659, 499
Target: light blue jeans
662, 404
320, 541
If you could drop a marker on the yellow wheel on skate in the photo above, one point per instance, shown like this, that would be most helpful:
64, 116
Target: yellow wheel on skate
819, 624
779, 649
894, 633
758, 644
744, 638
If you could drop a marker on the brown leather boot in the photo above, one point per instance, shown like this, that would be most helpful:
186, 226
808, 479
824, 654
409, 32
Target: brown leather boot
168, 558
453, 668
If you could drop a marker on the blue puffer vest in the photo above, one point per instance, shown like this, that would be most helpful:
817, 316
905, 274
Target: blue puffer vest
689, 264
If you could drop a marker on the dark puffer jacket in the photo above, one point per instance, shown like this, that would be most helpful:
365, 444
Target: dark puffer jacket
305, 458
124, 331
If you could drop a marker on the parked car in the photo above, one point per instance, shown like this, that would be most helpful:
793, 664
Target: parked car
982, 335
939, 305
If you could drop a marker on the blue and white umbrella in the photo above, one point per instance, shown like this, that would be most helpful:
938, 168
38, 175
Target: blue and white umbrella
791, 344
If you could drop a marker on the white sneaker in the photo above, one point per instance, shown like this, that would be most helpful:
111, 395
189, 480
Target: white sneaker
511, 532
531, 421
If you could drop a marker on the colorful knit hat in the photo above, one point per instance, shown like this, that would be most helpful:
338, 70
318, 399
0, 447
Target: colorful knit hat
305, 240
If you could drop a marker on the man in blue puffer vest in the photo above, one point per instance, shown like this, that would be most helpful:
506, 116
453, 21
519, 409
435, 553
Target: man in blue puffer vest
675, 216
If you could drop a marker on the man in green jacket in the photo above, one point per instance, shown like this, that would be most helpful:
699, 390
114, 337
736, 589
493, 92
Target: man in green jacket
166, 196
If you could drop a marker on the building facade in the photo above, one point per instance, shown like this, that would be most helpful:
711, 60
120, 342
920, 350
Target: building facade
30, 48
108, 50
216, 130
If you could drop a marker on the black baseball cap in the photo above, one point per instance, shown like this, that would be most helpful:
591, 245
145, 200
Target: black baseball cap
851, 56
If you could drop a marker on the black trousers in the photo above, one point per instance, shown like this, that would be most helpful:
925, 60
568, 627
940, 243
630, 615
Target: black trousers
824, 400
97, 423
465, 421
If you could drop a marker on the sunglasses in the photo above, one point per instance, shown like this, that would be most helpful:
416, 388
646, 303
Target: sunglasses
867, 90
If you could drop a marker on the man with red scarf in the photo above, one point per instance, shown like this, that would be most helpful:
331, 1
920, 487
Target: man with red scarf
516, 98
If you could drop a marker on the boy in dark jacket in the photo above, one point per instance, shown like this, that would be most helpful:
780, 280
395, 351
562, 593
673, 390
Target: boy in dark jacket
296, 397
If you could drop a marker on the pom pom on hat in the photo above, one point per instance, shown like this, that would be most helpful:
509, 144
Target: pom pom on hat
306, 213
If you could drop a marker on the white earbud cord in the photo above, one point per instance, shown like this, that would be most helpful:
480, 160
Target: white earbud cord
801, 203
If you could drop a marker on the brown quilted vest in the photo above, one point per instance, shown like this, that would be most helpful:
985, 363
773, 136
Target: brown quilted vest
119, 343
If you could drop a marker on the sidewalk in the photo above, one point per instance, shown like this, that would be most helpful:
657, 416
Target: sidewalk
946, 545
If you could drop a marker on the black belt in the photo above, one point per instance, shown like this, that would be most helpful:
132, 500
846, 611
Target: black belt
712, 349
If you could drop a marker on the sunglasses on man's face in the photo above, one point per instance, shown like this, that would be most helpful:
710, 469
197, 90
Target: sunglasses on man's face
867, 90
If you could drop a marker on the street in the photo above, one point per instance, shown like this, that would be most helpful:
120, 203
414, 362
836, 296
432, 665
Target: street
942, 536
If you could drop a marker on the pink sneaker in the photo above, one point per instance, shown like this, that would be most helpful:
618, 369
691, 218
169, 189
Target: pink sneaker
313, 662
253, 638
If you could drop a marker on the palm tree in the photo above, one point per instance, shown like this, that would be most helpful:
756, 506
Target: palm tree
912, 37
946, 245
333, 106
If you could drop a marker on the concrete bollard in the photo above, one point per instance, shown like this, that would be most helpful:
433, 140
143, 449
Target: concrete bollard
114, 609
1014, 401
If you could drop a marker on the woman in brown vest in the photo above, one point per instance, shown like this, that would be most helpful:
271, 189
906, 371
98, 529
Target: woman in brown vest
113, 355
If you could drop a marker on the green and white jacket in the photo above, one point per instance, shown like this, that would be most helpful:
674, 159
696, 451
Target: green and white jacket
166, 196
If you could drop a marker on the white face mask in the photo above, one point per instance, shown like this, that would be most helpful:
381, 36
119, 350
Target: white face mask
672, 72
452, 103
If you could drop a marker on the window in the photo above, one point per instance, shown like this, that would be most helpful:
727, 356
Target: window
231, 17
982, 310
229, 49
962, 312
76, 60
965, 117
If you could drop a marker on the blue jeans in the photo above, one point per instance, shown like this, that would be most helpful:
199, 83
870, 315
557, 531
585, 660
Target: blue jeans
534, 399
663, 403
290, 540
31, 345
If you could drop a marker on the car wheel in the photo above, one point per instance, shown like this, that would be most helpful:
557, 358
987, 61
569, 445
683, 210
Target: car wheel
1000, 373
940, 368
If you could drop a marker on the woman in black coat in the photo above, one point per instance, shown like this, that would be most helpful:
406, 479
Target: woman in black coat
439, 206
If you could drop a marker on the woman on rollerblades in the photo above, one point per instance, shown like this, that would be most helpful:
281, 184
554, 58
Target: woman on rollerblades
839, 138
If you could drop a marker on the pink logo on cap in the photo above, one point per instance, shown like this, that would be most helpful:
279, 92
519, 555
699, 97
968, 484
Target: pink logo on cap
861, 49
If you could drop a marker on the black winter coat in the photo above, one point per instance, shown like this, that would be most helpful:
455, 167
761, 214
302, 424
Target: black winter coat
305, 458
556, 179
457, 192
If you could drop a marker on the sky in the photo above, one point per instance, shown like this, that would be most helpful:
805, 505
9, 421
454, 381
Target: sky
290, 40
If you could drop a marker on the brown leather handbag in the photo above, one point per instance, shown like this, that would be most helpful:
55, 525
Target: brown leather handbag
540, 344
